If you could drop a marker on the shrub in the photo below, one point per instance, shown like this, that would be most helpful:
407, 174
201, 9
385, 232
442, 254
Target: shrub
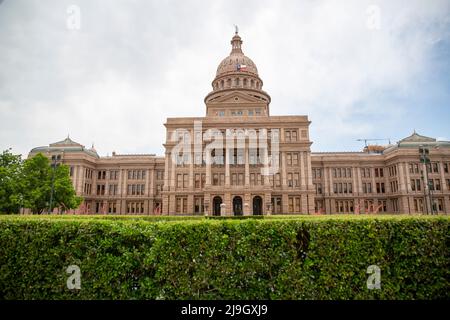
302, 258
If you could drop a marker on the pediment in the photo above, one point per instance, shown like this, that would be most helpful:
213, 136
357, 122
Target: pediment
236, 97
415, 137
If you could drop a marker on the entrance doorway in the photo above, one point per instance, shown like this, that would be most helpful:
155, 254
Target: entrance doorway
237, 206
257, 206
217, 201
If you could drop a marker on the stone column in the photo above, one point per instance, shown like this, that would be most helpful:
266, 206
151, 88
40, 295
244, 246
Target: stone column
208, 169
285, 203
283, 170
326, 188
330, 172
147, 182
247, 168
80, 180
266, 177
228, 205
247, 205
374, 185
302, 171
165, 197
190, 204
444, 186
360, 188
355, 184
408, 179
173, 177
166, 171
227, 167
191, 171
309, 170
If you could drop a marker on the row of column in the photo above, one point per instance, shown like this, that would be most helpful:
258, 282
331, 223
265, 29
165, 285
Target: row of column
305, 171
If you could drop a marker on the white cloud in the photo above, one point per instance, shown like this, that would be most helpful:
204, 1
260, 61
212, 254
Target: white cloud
134, 64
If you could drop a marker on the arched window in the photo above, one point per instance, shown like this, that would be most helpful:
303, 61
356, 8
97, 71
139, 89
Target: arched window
237, 82
245, 82
229, 83
252, 83
221, 84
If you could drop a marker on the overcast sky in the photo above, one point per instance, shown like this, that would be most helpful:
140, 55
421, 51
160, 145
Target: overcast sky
358, 69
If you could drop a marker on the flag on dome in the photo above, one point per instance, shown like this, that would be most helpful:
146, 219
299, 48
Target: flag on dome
241, 67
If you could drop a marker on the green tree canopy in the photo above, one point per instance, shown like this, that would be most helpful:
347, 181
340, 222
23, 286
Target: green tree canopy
29, 183
10, 170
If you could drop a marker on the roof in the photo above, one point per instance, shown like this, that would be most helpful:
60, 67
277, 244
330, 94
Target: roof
66, 142
416, 140
66, 145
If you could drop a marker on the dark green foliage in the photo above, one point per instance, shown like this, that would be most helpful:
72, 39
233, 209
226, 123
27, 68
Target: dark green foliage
302, 258
10, 196
37, 176
28, 184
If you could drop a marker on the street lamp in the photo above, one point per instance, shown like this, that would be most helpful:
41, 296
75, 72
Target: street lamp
55, 159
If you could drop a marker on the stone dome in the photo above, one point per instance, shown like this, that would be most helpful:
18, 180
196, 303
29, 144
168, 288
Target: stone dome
237, 61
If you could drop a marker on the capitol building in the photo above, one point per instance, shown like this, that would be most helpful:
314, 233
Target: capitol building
240, 160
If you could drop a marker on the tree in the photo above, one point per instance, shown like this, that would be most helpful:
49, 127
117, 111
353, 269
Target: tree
10, 195
36, 183
64, 194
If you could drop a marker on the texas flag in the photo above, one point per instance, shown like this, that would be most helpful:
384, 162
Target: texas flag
241, 67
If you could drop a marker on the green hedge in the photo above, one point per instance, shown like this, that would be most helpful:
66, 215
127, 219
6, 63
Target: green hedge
303, 258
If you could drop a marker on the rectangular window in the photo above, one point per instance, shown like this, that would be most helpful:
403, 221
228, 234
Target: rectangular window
185, 180
277, 180
199, 205
288, 136
179, 180
215, 179
294, 135
295, 159
241, 179
435, 167
438, 185
288, 159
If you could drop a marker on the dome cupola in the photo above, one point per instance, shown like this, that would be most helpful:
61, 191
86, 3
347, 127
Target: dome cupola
237, 71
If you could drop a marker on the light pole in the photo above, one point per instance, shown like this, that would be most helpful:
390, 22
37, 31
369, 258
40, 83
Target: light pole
55, 159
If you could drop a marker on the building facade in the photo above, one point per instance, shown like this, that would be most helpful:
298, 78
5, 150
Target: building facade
240, 160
